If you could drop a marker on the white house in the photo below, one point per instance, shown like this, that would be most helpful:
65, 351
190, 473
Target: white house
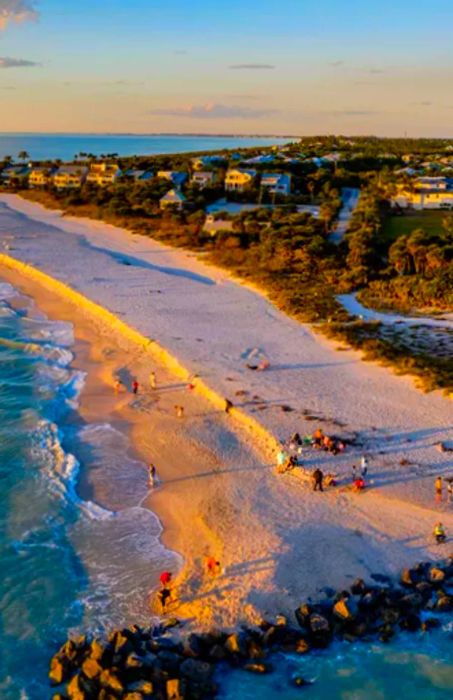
203, 178
277, 183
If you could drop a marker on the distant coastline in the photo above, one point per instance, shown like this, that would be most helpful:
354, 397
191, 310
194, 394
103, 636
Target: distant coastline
65, 146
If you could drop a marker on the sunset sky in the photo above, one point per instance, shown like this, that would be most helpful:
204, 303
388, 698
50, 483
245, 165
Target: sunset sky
237, 66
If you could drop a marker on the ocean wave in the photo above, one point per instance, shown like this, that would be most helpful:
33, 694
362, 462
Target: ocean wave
62, 469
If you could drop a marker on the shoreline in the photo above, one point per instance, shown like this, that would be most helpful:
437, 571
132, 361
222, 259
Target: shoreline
277, 541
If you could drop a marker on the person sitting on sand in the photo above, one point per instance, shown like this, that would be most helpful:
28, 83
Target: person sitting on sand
263, 365
317, 437
318, 477
330, 480
179, 410
439, 533
281, 458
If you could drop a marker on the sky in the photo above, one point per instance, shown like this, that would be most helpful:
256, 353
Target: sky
289, 67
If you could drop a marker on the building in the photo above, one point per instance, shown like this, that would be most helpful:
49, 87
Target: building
139, 175
239, 180
40, 177
70, 177
260, 160
426, 193
203, 178
173, 199
15, 174
176, 177
214, 226
103, 174
208, 162
277, 183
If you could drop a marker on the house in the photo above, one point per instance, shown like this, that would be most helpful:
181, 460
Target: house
176, 177
208, 161
40, 177
70, 177
15, 174
277, 183
427, 193
103, 174
173, 199
139, 175
213, 225
238, 179
260, 160
203, 178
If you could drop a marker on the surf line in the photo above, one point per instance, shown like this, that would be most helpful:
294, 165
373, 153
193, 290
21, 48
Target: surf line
148, 345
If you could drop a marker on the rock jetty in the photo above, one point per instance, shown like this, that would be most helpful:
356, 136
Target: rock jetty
163, 663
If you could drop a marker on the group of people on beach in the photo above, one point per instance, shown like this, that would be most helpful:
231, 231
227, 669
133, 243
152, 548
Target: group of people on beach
166, 594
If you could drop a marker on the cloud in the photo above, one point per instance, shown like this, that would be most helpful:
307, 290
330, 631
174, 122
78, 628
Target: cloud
251, 66
16, 11
356, 112
6, 62
336, 64
212, 110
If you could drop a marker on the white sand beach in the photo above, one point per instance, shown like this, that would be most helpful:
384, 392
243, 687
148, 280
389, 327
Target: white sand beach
277, 541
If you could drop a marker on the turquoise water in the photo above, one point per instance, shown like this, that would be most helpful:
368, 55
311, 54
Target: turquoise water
418, 667
66, 146
66, 564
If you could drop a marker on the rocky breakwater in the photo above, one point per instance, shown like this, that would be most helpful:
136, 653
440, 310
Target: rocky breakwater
163, 663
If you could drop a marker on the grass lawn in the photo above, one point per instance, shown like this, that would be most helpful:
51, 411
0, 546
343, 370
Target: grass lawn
395, 226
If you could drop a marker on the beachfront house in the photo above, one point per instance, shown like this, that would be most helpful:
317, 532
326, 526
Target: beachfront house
426, 193
69, 177
40, 177
212, 225
103, 174
173, 199
277, 183
176, 177
203, 178
239, 179
15, 175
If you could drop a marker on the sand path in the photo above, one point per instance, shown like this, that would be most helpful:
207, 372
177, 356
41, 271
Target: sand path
277, 540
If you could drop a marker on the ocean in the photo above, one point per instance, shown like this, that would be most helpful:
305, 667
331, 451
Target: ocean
67, 564
67, 146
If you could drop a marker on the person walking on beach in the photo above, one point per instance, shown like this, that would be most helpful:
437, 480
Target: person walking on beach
135, 387
152, 380
179, 410
152, 476
450, 490
228, 405
282, 458
318, 477
354, 473
364, 466
438, 487
165, 578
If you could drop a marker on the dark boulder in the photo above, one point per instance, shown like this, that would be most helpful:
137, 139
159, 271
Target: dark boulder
436, 575
196, 671
409, 577
345, 609
444, 603
410, 622
359, 587
302, 614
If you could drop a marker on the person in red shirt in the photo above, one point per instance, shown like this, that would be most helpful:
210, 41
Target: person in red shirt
135, 387
165, 578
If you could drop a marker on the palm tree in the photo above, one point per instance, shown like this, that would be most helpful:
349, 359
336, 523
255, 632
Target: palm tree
23, 155
7, 160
